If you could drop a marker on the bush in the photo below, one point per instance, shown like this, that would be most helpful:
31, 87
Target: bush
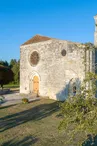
25, 100
80, 112
2, 98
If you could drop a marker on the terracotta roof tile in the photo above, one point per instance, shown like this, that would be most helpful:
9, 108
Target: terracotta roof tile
36, 39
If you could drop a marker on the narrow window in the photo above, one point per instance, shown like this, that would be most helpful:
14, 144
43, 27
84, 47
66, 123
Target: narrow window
74, 90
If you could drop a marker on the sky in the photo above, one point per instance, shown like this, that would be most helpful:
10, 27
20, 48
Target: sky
20, 20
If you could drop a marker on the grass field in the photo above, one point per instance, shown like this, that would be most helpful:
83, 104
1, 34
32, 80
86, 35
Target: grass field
11, 86
31, 124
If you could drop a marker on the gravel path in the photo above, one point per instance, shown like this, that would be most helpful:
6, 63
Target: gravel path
15, 98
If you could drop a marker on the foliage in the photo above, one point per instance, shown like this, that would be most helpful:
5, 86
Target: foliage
2, 98
13, 62
80, 111
25, 100
15, 67
6, 75
4, 63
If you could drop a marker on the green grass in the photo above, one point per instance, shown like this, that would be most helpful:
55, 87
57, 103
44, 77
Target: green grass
31, 124
11, 86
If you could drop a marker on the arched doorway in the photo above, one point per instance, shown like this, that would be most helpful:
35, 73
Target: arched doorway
35, 84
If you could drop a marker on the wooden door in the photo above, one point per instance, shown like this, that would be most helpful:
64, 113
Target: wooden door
36, 85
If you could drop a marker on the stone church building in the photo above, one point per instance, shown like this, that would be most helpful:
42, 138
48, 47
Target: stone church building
53, 68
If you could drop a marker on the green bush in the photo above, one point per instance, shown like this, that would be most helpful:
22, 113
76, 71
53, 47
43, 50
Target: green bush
2, 98
25, 100
80, 112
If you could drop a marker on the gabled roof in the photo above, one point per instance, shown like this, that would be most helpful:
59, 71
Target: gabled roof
36, 39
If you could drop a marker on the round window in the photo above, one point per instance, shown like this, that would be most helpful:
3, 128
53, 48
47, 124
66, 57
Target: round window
63, 52
34, 58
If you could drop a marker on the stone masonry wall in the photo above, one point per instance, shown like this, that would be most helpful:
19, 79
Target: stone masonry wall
55, 72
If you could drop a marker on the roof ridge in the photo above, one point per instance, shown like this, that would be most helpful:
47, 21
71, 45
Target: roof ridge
37, 38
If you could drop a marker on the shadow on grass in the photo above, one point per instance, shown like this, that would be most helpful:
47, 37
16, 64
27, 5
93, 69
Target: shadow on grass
27, 141
8, 91
13, 91
3, 107
90, 141
36, 113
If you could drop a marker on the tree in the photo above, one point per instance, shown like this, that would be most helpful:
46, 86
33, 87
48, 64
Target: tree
15, 67
4, 63
12, 62
6, 75
80, 112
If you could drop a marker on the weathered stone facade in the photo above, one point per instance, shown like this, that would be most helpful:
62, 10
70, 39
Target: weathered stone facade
57, 73
95, 43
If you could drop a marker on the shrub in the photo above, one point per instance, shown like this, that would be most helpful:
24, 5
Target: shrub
80, 112
1, 98
25, 100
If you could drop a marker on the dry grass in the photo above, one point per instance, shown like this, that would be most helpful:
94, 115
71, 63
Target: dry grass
30, 124
35, 124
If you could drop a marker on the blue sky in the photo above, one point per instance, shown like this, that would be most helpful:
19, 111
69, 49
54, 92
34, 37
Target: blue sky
64, 19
